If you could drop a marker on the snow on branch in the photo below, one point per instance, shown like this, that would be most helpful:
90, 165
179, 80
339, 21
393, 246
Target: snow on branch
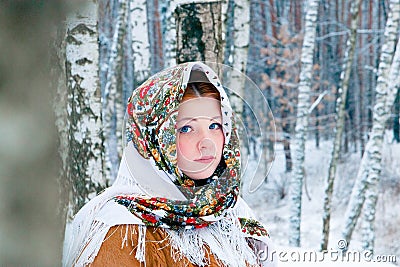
316, 103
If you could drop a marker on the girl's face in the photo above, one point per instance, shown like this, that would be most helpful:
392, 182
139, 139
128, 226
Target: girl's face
199, 137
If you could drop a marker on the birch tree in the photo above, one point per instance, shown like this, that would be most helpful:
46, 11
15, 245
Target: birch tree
155, 27
226, 18
238, 31
112, 108
303, 104
85, 141
198, 27
169, 34
140, 40
169, 38
61, 119
340, 119
396, 118
384, 102
30, 222
370, 167
238, 58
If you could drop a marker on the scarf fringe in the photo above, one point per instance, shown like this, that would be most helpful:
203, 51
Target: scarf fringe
141, 246
224, 239
88, 250
128, 234
84, 236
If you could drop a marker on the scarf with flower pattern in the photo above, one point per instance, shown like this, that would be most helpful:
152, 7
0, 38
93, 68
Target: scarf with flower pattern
152, 112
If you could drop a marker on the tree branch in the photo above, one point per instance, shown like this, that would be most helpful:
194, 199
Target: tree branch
319, 99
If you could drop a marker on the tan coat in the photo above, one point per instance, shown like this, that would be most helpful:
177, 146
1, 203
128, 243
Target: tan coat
158, 250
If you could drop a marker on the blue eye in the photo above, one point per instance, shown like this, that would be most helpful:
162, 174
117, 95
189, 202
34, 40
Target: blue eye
215, 126
185, 129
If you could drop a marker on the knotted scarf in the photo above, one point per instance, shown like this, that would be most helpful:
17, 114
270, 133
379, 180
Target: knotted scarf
152, 112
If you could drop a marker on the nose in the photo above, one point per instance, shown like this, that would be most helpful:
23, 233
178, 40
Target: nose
206, 140
206, 143
207, 147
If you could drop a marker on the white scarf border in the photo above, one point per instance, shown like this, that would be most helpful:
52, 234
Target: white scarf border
224, 238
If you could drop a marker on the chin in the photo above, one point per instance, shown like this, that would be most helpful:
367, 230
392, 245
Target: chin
202, 173
200, 176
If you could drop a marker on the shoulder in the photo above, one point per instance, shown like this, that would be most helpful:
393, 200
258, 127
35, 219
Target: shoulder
121, 244
120, 247
113, 214
243, 209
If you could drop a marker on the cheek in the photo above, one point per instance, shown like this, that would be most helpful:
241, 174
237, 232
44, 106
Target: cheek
219, 141
184, 147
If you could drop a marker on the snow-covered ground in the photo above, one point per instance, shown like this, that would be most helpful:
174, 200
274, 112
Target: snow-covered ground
273, 210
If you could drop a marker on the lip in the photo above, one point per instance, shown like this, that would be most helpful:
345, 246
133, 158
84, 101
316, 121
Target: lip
205, 159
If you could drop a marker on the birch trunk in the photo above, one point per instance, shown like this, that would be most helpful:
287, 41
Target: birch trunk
370, 167
225, 27
199, 37
384, 103
155, 23
85, 148
60, 101
241, 37
303, 104
107, 12
396, 119
128, 69
340, 120
140, 40
228, 30
169, 37
170, 34
361, 77
61, 119
112, 109
235, 78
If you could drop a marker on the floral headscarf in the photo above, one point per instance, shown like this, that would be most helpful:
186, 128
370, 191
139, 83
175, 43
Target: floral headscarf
152, 113
152, 188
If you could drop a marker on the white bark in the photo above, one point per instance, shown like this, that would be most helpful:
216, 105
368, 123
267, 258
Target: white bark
170, 34
227, 13
156, 26
204, 44
340, 119
224, 19
370, 168
66, 208
377, 133
113, 110
296, 184
85, 156
140, 39
60, 108
170, 30
236, 79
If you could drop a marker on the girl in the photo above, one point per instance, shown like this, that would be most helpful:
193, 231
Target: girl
176, 199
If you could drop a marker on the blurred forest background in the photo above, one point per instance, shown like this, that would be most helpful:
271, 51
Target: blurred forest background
328, 69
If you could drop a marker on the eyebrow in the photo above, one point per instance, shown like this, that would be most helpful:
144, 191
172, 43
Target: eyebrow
195, 119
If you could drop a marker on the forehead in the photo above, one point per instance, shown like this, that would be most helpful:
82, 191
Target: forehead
199, 107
